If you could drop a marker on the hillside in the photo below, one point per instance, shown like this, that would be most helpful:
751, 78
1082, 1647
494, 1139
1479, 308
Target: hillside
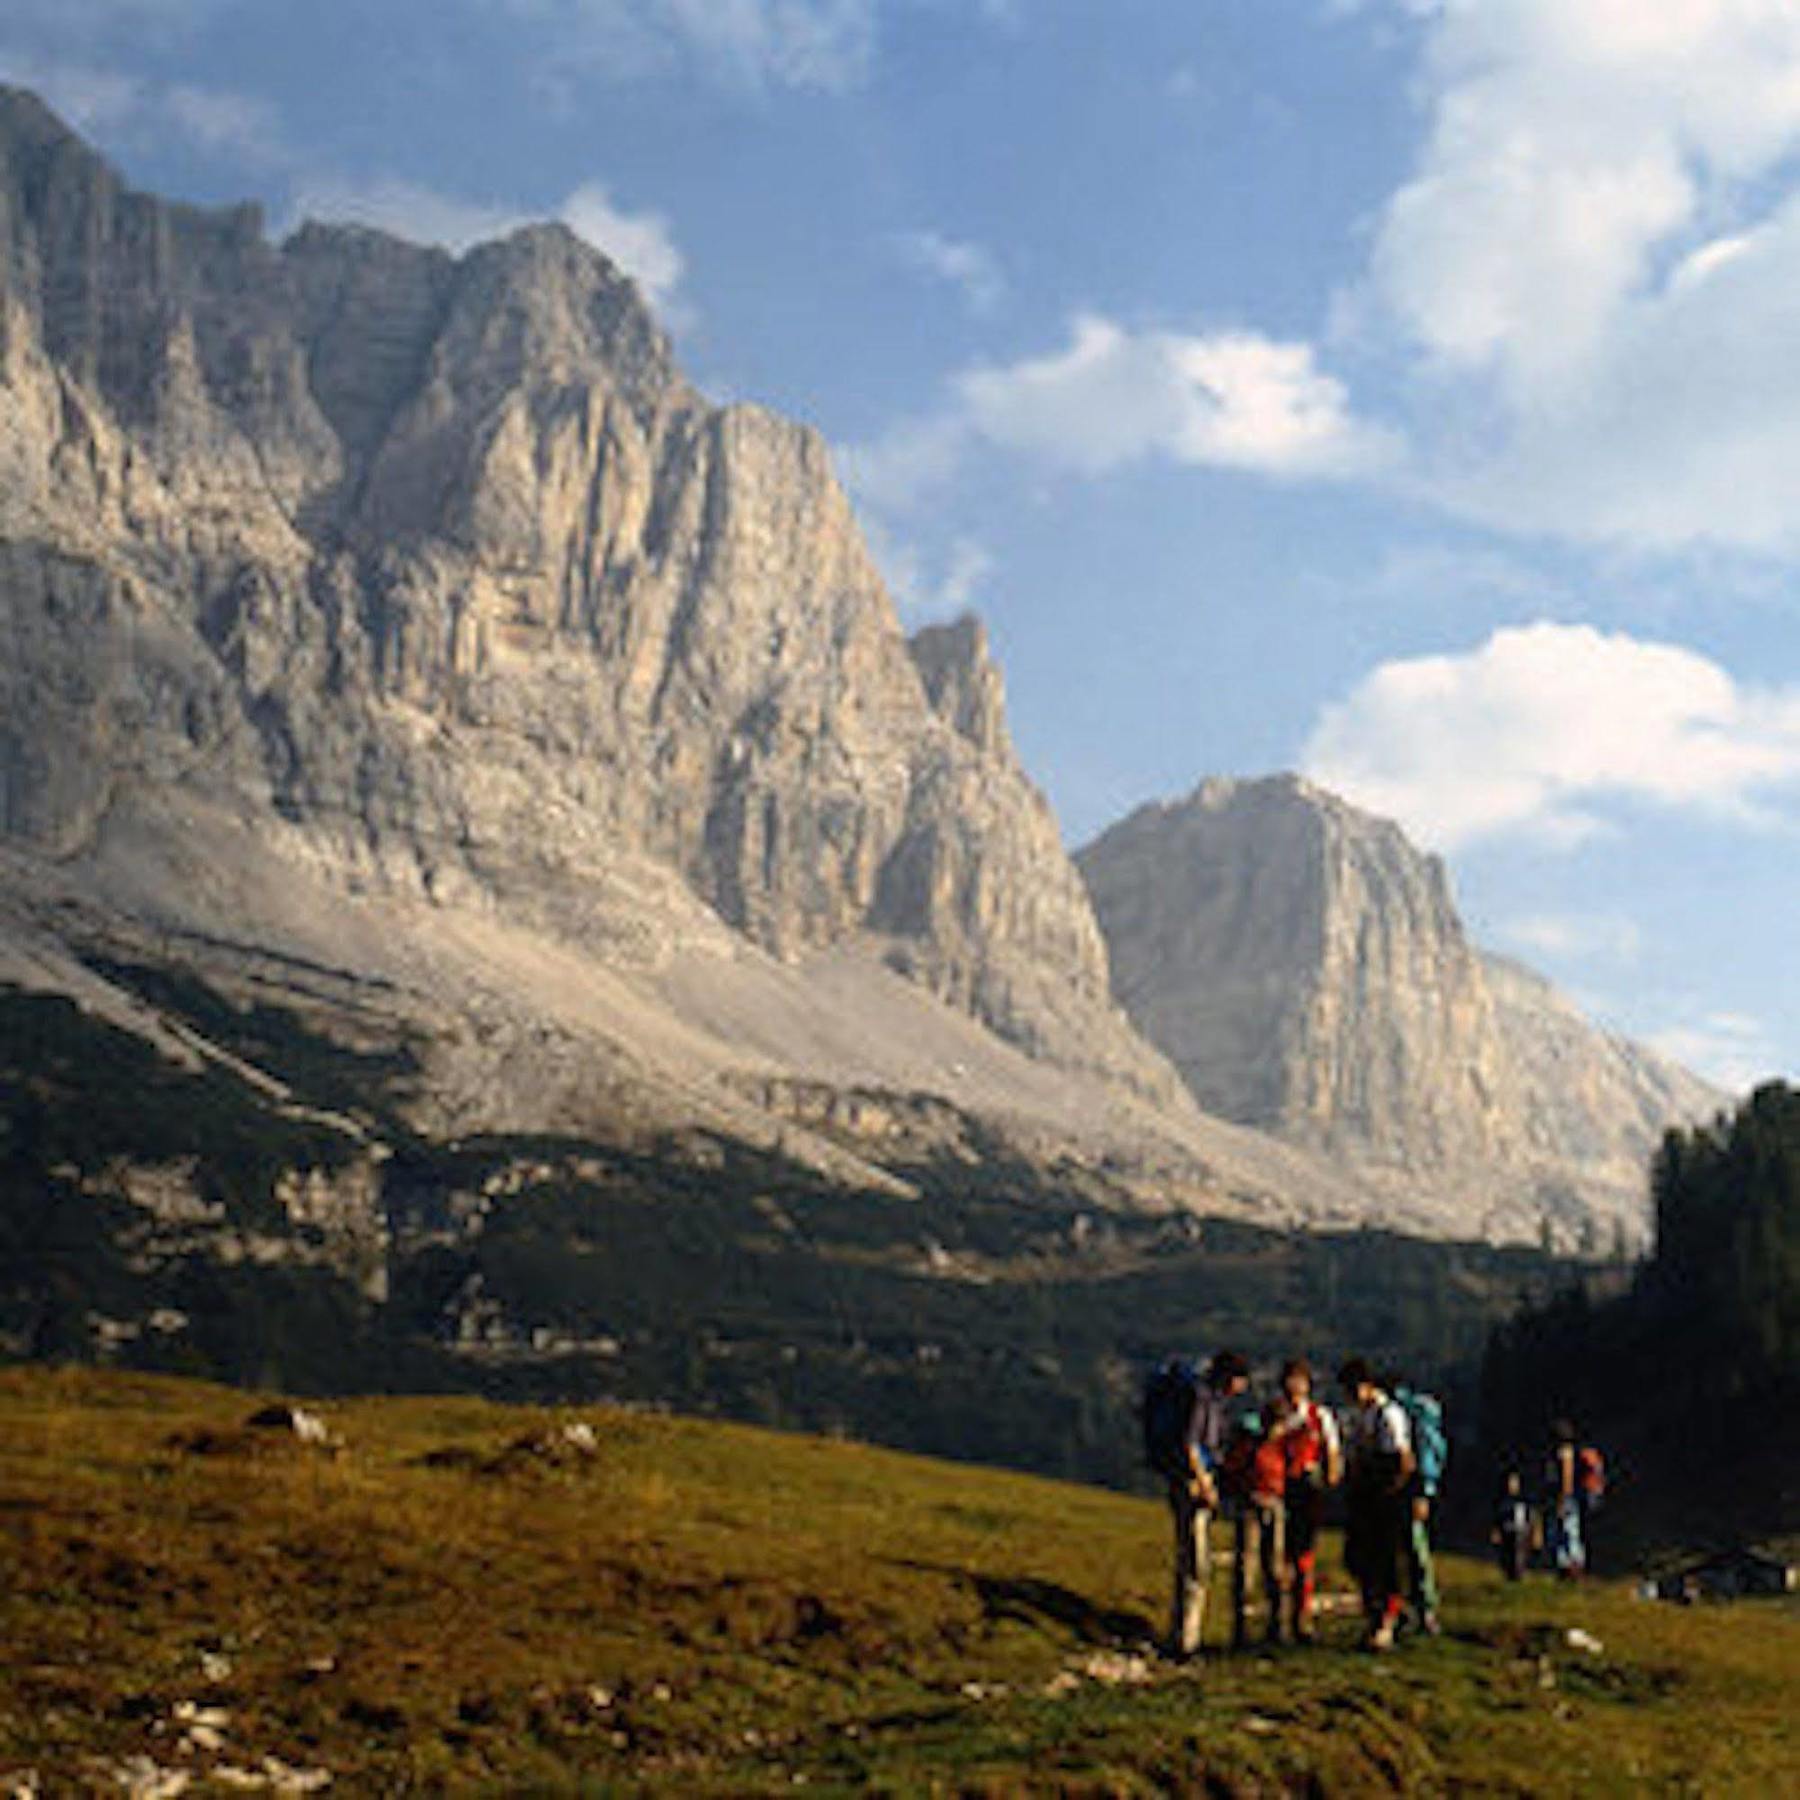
472, 1597
247, 1203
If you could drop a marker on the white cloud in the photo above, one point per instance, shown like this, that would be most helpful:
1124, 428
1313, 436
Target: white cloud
969, 268
1546, 728
1732, 1049
1611, 937
1226, 399
1115, 396
640, 243
927, 586
1595, 257
899, 470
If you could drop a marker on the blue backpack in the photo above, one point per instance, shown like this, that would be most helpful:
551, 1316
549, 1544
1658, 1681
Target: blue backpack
1171, 1392
1431, 1442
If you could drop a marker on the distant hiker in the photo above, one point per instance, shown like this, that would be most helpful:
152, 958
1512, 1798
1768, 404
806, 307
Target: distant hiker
1431, 1457
1186, 1417
1255, 1485
1313, 1454
1378, 1502
1590, 1491
1513, 1527
1562, 1504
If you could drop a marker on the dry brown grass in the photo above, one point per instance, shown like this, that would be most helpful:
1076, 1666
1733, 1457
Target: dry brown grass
696, 1607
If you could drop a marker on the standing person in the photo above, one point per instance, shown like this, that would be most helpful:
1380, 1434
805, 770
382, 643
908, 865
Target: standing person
1379, 1507
1431, 1457
1590, 1491
1314, 1458
1562, 1504
1186, 1417
1257, 1481
1511, 1536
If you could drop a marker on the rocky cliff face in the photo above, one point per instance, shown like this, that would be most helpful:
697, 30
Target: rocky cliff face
435, 577
1304, 967
400, 638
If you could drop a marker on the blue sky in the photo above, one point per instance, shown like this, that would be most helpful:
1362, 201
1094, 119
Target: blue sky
1404, 390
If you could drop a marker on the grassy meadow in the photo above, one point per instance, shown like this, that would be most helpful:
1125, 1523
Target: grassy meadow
465, 1598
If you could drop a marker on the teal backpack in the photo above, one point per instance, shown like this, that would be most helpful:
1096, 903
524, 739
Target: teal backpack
1431, 1442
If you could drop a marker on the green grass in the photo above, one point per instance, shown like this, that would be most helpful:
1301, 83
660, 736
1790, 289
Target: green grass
701, 1608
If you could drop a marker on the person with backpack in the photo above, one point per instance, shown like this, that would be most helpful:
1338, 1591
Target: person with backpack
1313, 1459
1186, 1418
1254, 1483
1431, 1456
1378, 1500
1562, 1504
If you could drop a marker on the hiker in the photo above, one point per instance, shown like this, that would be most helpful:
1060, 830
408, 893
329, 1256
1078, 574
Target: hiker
1312, 1451
1513, 1532
1186, 1417
1431, 1456
1378, 1502
1562, 1504
1255, 1485
1590, 1491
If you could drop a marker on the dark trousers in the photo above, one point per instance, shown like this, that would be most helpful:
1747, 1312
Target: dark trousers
1377, 1529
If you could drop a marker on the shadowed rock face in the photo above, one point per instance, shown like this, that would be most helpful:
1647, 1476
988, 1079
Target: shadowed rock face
435, 574
1304, 967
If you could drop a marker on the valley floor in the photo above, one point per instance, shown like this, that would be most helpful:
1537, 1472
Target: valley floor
463, 1597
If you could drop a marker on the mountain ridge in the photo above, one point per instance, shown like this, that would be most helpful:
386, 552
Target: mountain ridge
411, 617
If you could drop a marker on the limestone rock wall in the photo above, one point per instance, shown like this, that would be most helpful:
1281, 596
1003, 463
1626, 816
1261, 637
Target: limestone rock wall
1305, 969
438, 575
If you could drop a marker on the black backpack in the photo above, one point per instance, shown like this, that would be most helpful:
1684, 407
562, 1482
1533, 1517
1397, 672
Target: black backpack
1171, 1392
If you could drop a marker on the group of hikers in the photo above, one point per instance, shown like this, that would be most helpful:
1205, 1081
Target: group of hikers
1561, 1523
1268, 1465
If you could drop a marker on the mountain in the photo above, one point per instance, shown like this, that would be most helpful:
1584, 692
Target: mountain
401, 638
1304, 966
401, 648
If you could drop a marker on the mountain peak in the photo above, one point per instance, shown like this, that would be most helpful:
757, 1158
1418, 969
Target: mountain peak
1303, 965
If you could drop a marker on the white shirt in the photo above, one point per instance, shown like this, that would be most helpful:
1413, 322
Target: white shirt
1380, 1428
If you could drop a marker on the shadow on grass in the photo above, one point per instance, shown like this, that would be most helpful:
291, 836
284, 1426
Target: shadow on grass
1027, 1600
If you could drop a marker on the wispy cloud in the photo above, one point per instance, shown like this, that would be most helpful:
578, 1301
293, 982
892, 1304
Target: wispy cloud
642, 244
971, 269
1732, 1049
827, 46
929, 585
98, 98
1608, 937
1544, 728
